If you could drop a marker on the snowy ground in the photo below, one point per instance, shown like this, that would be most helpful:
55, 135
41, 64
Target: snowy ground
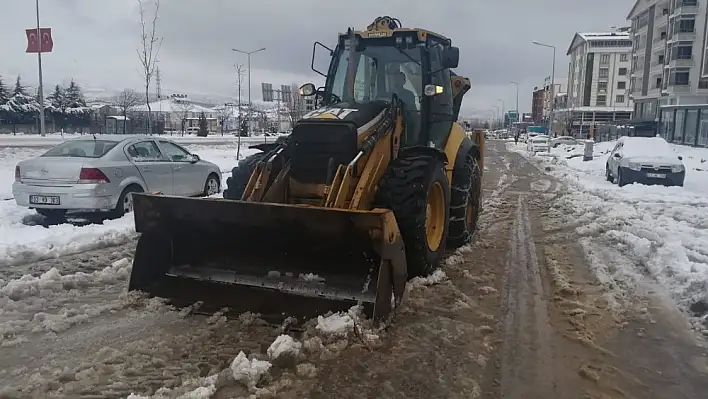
639, 239
24, 241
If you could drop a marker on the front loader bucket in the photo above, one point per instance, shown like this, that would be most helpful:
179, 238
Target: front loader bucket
273, 259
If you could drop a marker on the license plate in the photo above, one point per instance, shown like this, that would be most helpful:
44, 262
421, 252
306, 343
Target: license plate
657, 175
44, 199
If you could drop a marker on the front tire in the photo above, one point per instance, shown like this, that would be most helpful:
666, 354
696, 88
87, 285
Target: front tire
236, 183
608, 174
415, 187
621, 181
125, 201
465, 203
212, 185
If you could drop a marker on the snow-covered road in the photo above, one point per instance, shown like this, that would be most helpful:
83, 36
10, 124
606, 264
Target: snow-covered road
638, 238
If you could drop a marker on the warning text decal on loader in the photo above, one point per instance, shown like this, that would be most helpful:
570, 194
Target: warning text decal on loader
368, 191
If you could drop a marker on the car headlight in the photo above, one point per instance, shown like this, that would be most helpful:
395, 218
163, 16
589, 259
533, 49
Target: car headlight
634, 166
677, 168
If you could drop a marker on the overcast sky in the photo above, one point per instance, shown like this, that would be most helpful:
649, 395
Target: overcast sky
95, 41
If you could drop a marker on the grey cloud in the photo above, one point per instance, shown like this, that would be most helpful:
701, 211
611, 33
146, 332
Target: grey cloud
95, 41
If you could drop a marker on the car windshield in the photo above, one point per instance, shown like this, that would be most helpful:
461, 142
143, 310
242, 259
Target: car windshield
540, 139
647, 146
379, 70
81, 149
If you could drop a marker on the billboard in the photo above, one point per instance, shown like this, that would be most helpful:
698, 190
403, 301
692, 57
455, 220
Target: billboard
267, 92
286, 94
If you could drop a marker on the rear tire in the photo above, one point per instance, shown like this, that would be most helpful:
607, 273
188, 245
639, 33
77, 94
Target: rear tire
52, 216
125, 201
465, 203
236, 183
416, 189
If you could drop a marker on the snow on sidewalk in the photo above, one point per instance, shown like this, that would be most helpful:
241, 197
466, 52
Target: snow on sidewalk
636, 233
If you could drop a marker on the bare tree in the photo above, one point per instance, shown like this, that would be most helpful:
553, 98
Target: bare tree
124, 101
223, 114
183, 109
148, 53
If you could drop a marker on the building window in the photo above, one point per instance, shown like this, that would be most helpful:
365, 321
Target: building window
604, 59
621, 85
602, 86
686, 25
682, 52
679, 78
703, 129
604, 73
621, 71
624, 57
691, 126
619, 98
601, 100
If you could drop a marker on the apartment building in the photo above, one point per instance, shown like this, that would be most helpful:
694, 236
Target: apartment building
670, 67
598, 82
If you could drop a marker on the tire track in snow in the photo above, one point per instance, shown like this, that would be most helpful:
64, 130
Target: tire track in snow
527, 354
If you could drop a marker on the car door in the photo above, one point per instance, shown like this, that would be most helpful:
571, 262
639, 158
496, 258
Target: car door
155, 169
614, 161
189, 176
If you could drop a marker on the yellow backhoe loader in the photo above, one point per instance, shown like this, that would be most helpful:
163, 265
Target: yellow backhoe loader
368, 190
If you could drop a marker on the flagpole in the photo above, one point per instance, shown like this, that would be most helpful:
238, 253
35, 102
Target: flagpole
41, 86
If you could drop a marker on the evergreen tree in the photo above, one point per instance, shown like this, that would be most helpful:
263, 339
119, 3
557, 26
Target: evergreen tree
203, 126
57, 99
19, 88
4, 93
74, 96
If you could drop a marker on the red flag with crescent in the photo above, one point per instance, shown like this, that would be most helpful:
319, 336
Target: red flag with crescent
46, 40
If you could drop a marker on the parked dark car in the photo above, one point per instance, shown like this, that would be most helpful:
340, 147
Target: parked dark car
644, 160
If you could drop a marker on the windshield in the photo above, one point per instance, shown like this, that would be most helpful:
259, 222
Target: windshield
379, 71
81, 149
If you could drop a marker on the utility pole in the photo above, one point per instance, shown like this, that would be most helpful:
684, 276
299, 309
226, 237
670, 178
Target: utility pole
239, 73
158, 85
248, 55
553, 90
42, 130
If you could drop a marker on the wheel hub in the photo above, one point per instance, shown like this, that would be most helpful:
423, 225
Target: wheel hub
435, 216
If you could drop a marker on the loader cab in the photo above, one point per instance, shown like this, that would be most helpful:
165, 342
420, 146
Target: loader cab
368, 68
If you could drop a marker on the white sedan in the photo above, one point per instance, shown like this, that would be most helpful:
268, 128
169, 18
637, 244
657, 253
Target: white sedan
644, 160
98, 174
568, 140
539, 143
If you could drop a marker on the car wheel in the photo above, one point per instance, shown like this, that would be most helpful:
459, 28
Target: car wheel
621, 180
125, 201
608, 174
211, 186
53, 216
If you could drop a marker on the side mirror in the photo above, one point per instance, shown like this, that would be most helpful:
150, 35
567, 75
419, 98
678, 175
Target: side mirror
307, 90
195, 158
617, 155
680, 158
451, 57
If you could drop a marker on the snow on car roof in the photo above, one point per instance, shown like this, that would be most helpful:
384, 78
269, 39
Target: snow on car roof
652, 146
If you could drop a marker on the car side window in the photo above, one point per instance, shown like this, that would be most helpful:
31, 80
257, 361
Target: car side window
144, 151
174, 152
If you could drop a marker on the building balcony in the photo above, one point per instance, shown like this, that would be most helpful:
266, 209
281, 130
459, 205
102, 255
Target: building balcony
703, 85
679, 63
658, 44
656, 66
661, 20
686, 8
681, 36
684, 87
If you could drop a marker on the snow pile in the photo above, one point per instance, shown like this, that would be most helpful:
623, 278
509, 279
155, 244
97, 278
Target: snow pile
337, 325
436, 277
636, 236
311, 277
248, 371
201, 388
55, 302
284, 345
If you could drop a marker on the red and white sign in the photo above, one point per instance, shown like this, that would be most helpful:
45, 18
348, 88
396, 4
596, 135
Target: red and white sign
46, 40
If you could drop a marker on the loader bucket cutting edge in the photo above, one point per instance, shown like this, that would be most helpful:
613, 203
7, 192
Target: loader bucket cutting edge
272, 259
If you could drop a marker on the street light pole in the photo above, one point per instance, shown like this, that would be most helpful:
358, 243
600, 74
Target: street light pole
41, 85
517, 97
503, 110
248, 55
553, 85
